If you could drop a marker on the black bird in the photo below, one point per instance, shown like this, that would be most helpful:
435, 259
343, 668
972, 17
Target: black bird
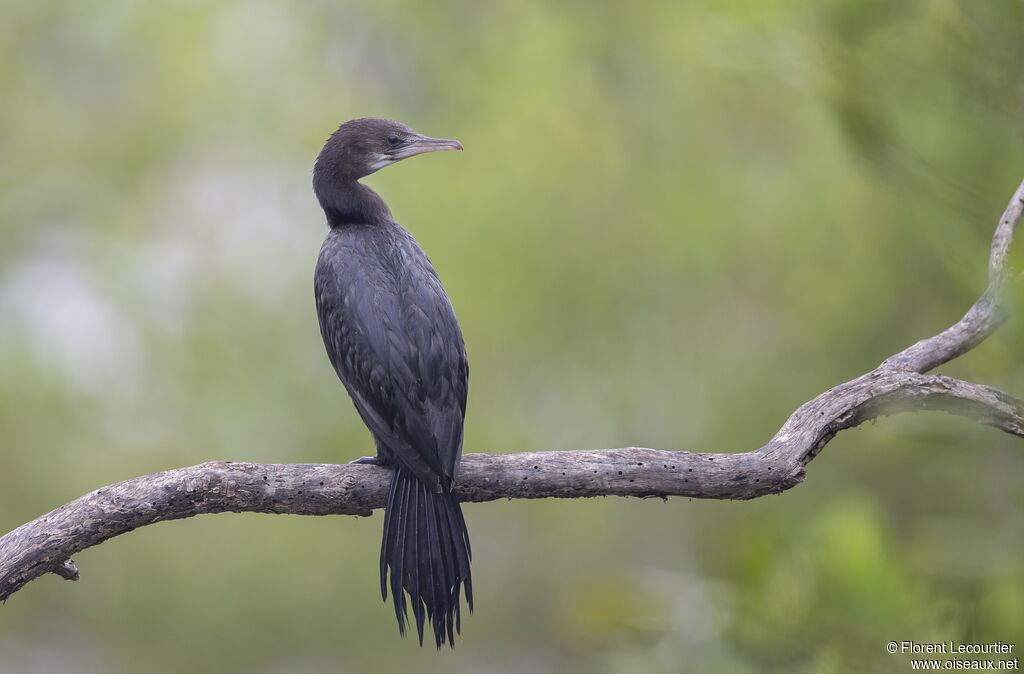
391, 334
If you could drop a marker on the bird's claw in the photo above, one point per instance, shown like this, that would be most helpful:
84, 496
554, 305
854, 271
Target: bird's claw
371, 460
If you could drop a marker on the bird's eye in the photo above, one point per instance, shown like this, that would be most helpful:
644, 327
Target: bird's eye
393, 140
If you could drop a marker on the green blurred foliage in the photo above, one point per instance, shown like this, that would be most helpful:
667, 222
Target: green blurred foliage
672, 224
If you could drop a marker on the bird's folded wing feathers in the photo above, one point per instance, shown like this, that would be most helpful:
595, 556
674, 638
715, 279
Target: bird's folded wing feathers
399, 352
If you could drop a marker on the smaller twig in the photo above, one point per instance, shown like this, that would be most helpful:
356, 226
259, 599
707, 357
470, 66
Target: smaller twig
982, 319
67, 570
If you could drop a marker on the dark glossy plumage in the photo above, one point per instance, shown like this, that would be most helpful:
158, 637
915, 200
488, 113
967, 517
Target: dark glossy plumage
392, 336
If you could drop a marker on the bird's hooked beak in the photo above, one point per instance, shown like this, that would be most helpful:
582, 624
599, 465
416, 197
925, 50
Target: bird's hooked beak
410, 147
422, 145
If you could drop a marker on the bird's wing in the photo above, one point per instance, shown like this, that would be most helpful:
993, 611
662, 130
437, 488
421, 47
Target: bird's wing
393, 339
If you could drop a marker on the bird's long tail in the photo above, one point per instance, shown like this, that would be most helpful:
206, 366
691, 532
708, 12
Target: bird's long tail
426, 548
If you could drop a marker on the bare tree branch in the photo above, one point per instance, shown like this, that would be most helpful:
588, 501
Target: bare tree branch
899, 384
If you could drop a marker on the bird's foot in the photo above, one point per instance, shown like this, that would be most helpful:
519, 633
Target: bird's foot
371, 460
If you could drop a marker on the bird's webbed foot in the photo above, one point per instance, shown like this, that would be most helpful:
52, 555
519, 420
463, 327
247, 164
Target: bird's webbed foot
372, 461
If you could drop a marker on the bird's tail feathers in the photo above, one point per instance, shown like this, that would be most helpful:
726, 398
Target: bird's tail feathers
426, 549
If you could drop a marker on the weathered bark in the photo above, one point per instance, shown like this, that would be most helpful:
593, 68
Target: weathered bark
899, 384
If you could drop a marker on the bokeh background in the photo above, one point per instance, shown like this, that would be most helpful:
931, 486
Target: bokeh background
673, 223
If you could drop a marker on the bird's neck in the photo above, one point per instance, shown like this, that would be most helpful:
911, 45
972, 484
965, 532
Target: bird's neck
350, 202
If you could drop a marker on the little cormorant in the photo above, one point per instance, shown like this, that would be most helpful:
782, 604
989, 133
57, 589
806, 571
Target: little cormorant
392, 336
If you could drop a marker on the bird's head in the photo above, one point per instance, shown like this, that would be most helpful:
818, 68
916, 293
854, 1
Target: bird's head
361, 146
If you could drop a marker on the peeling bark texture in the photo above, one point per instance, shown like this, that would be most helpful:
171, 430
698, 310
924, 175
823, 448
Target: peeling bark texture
899, 384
